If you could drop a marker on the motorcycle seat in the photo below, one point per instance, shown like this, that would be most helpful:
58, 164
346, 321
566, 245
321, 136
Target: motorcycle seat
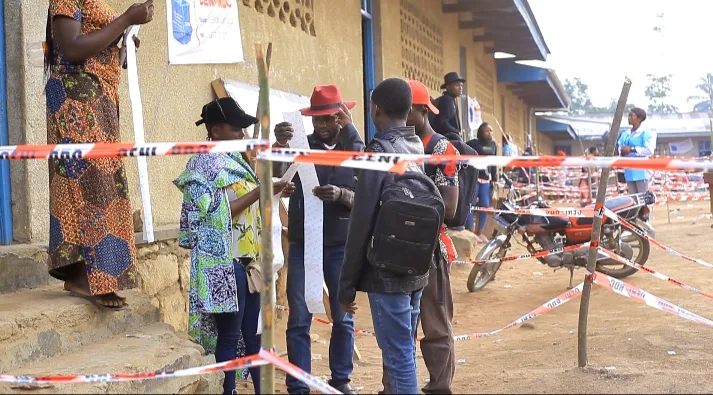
619, 203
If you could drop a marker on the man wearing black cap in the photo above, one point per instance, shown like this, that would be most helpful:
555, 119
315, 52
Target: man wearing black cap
447, 122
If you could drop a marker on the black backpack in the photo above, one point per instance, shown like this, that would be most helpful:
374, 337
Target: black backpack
408, 224
467, 179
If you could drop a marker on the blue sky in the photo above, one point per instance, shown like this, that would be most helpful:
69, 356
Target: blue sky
602, 41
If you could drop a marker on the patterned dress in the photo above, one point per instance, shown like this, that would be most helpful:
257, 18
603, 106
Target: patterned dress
90, 212
208, 230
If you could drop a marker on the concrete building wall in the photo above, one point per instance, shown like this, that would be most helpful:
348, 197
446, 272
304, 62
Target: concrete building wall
414, 39
174, 94
424, 22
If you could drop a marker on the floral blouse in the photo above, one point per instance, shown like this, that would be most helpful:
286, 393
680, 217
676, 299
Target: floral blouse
246, 227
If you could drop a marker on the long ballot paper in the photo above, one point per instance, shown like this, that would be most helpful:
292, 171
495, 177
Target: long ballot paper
314, 220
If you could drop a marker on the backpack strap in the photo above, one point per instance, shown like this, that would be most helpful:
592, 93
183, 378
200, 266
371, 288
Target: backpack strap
386, 145
435, 138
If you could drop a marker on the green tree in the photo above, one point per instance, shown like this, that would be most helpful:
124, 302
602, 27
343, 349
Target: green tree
577, 90
658, 91
705, 101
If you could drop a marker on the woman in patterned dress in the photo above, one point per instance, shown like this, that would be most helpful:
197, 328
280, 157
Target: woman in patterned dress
220, 223
91, 244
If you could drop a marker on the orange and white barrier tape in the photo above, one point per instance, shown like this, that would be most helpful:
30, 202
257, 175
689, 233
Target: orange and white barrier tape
299, 374
396, 162
544, 308
240, 363
654, 273
539, 254
360, 160
653, 241
647, 298
543, 212
263, 358
119, 150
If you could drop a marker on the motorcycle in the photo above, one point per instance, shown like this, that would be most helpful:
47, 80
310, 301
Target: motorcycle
558, 233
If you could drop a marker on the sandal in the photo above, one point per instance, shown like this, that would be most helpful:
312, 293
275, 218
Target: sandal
96, 300
68, 288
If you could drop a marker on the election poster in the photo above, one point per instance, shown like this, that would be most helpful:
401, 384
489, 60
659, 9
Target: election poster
203, 31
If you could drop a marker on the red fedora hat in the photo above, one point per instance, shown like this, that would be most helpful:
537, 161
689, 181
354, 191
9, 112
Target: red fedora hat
325, 100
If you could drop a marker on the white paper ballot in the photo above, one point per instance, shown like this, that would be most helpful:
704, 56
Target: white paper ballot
313, 217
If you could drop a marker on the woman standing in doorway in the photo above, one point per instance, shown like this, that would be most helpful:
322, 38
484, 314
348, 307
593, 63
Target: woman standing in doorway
484, 145
91, 244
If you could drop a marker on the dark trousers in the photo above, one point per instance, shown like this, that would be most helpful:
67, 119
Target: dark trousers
230, 325
299, 322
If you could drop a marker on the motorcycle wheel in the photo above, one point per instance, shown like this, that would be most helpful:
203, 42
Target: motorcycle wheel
480, 275
641, 247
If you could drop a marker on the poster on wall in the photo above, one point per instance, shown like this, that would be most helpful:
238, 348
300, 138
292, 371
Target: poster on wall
475, 117
203, 31
680, 147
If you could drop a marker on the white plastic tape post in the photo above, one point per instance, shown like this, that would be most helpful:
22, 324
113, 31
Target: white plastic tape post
137, 114
313, 220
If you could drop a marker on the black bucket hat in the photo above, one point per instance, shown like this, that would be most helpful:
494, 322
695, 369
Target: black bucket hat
450, 78
226, 110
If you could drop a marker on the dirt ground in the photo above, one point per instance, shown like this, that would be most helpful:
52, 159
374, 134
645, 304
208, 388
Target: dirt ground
633, 348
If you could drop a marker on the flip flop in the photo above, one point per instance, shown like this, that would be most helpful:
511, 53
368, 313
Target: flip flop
122, 298
95, 300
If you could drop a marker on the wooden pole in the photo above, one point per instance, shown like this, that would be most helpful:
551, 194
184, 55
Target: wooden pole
268, 59
267, 372
597, 227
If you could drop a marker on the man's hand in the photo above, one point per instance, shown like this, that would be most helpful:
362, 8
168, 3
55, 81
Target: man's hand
328, 193
350, 308
284, 132
625, 150
289, 190
343, 116
280, 186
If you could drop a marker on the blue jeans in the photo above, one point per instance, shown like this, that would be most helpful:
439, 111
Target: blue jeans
481, 199
395, 319
230, 325
341, 343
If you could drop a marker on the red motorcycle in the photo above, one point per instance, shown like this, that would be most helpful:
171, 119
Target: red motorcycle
543, 233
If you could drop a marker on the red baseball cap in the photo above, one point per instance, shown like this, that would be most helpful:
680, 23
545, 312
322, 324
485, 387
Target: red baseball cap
420, 95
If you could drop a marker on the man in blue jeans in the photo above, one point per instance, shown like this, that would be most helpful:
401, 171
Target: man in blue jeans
394, 299
333, 130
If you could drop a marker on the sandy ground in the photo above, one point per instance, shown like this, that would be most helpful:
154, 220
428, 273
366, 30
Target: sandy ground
633, 348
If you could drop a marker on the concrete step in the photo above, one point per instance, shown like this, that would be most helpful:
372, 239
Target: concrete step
45, 322
23, 267
157, 348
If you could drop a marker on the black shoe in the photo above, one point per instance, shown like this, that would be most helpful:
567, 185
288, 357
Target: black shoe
345, 389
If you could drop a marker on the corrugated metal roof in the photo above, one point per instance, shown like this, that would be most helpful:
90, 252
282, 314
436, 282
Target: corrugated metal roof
669, 125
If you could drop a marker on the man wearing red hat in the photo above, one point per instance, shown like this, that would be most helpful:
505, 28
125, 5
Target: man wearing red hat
436, 318
333, 130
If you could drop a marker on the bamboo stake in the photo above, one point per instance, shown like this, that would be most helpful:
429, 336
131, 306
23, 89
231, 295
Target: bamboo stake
267, 372
597, 227
268, 59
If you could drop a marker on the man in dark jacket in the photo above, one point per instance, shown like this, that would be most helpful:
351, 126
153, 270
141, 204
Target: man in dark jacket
447, 122
394, 299
333, 130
